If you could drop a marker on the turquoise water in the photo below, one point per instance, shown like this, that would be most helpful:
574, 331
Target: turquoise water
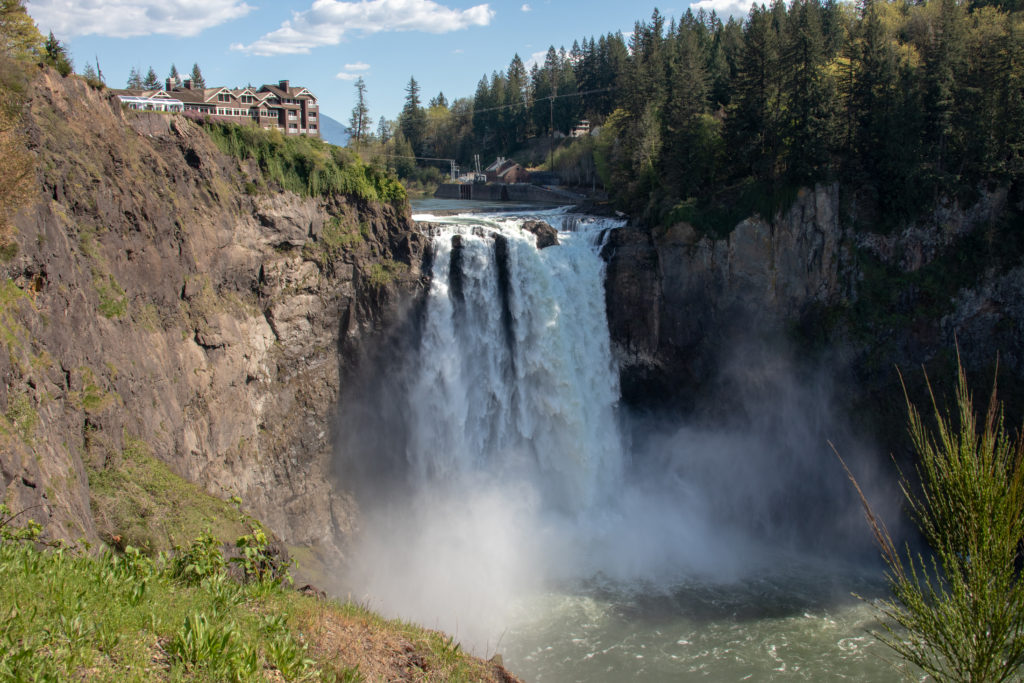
803, 626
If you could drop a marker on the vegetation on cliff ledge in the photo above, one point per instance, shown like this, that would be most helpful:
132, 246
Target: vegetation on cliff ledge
303, 165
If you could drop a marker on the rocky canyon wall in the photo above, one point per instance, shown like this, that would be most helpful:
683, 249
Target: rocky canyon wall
157, 299
816, 279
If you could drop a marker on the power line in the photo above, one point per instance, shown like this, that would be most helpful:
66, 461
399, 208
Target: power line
541, 99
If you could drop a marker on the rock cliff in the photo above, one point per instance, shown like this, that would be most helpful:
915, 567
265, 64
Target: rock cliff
159, 296
815, 279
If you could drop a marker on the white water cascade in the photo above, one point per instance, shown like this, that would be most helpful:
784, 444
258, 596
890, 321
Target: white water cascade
516, 379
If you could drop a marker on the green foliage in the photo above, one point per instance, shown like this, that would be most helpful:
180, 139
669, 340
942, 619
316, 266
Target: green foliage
55, 54
289, 657
258, 562
304, 165
9, 532
125, 616
216, 649
385, 271
113, 301
958, 614
201, 560
138, 499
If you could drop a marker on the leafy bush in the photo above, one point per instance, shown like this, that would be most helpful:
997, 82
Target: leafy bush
201, 560
959, 614
257, 560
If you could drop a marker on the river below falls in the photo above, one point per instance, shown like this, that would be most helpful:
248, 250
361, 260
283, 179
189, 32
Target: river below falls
781, 628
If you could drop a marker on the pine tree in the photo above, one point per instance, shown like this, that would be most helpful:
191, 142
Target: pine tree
516, 115
439, 101
383, 130
412, 120
56, 55
810, 95
686, 102
134, 80
152, 82
753, 129
359, 122
174, 76
197, 77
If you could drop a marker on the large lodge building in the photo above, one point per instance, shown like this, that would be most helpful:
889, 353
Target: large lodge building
292, 110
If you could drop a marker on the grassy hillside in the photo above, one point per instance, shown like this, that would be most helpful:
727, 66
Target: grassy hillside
193, 615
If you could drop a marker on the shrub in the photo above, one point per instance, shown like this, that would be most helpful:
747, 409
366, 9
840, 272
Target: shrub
959, 614
201, 560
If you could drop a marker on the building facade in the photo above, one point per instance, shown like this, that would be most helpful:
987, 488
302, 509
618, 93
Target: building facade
291, 109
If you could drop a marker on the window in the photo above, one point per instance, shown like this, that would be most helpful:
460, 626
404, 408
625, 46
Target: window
312, 126
312, 114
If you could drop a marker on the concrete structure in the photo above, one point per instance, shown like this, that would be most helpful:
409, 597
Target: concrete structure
292, 110
517, 192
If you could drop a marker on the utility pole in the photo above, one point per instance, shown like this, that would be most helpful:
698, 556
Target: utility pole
551, 114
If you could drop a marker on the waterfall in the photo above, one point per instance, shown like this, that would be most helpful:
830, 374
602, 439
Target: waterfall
515, 379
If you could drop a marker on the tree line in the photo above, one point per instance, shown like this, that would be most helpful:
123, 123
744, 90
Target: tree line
909, 102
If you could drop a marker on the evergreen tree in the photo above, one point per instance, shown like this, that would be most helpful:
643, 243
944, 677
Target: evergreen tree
810, 96
439, 101
944, 71
685, 104
197, 77
383, 130
753, 126
56, 55
151, 82
412, 121
516, 96
359, 122
174, 76
134, 80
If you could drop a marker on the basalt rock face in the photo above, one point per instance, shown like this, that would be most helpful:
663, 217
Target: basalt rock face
679, 302
153, 299
675, 296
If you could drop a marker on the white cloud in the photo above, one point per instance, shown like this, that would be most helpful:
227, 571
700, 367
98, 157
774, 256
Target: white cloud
345, 76
358, 66
126, 18
536, 59
526, 7
328, 21
724, 8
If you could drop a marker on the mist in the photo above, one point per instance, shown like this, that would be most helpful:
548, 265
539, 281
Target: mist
745, 486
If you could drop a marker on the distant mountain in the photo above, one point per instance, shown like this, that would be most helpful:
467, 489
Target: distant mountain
333, 131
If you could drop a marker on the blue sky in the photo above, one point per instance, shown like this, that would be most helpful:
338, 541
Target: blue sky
325, 44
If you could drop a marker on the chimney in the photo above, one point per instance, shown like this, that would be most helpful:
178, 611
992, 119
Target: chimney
187, 83
168, 85
283, 85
